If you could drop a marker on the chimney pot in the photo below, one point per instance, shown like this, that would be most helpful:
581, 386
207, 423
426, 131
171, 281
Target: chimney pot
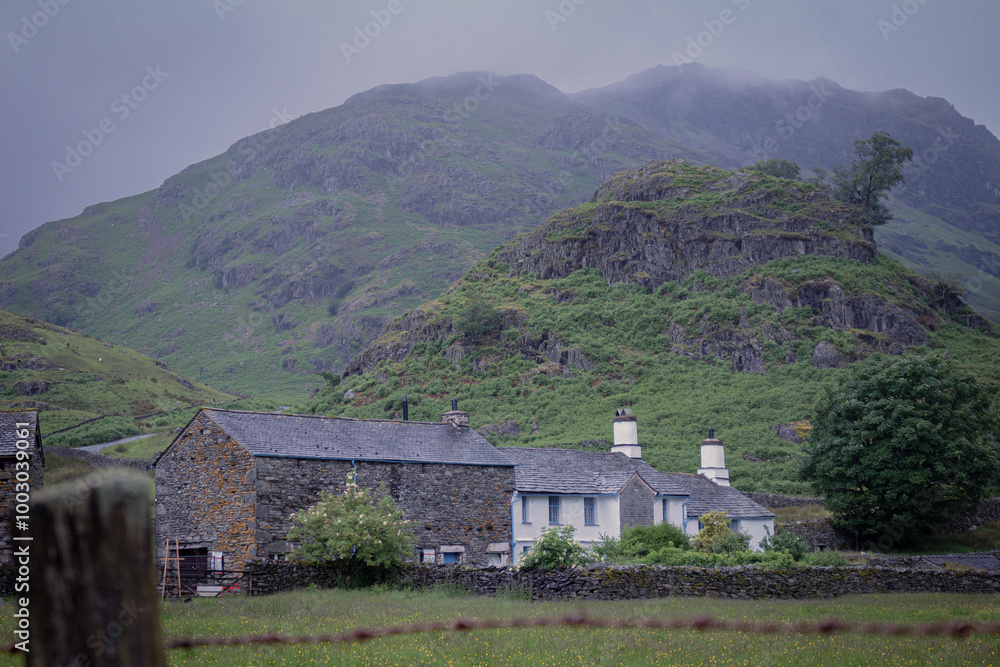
713, 460
626, 434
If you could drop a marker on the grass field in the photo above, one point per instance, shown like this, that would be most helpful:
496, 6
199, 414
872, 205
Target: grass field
316, 612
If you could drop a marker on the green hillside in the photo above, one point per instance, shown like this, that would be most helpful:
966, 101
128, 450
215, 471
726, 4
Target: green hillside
284, 257
72, 377
545, 355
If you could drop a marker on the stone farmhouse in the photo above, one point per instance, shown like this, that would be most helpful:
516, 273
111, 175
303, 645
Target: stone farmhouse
602, 493
227, 485
21, 460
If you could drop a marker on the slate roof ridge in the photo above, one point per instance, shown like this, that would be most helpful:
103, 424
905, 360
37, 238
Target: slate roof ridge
353, 419
280, 435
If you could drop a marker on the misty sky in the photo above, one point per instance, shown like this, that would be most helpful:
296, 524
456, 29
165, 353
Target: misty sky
159, 85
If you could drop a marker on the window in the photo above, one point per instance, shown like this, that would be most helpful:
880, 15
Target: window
427, 556
665, 510
554, 509
735, 525
590, 511
449, 558
524, 509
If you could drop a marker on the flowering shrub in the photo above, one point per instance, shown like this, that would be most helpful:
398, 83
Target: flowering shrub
553, 548
354, 531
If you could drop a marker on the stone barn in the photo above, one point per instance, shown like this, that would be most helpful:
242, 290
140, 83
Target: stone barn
226, 486
21, 461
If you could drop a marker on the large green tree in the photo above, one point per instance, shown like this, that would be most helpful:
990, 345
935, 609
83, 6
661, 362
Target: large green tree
876, 169
902, 445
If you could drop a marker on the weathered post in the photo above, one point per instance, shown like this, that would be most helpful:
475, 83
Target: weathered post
93, 584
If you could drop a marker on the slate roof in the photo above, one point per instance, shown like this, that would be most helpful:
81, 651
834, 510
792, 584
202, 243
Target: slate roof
573, 471
342, 438
707, 496
569, 471
981, 561
8, 429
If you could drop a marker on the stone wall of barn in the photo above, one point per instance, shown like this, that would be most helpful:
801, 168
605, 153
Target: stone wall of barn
205, 493
11, 485
454, 508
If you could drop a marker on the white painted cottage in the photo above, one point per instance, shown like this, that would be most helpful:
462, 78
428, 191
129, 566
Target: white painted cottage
601, 493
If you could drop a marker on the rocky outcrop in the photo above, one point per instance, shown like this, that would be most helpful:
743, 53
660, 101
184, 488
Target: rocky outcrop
32, 387
417, 326
651, 225
826, 355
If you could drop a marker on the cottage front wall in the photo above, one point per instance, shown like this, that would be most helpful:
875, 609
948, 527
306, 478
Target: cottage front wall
674, 513
205, 495
572, 513
756, 529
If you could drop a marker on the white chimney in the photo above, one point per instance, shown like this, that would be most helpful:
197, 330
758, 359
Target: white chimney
626, 434
713, 460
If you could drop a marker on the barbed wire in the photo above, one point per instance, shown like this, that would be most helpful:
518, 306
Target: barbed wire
958, 629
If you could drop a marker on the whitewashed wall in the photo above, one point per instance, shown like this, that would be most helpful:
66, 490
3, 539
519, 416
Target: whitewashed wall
571, 513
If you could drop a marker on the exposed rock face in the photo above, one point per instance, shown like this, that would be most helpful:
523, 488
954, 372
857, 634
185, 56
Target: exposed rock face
645, 226
32, 387
669, 221
825, 355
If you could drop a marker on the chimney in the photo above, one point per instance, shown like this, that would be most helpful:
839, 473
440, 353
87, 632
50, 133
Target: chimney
455, 416
713, 460
626, 434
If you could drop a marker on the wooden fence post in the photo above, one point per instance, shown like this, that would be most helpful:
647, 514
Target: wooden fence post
93, 583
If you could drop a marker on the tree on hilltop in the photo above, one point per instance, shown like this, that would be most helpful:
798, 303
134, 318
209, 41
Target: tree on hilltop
877, 168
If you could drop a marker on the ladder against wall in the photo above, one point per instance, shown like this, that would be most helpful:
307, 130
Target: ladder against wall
171, 571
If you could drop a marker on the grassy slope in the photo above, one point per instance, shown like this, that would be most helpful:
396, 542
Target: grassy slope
622, 329
927, 243
88, 377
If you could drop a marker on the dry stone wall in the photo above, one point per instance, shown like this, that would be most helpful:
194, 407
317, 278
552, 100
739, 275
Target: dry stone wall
633, 582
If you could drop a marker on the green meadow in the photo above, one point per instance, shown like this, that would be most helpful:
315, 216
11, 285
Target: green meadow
316, 612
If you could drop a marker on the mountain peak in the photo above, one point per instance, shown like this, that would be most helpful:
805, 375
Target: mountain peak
477, 85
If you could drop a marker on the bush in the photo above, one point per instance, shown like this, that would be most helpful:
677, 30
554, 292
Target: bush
356, 532
691, 558
717, 537
638, 542
788, 542
556, 547
825, 559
